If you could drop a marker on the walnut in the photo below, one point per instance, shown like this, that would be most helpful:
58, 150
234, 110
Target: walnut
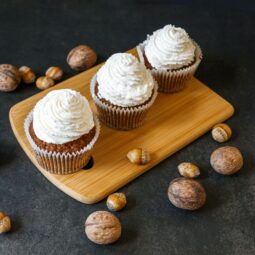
102, 227
226, 160
9, 77
5, 223
186, 194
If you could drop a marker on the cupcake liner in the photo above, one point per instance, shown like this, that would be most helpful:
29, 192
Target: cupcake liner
121, 118
170, 81
61, 163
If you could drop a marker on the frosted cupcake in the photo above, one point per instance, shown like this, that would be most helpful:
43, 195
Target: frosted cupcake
171, 56
62, 131
123, 91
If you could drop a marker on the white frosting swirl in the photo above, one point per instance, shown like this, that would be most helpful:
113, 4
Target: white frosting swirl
124, 81
62, 116
169, 48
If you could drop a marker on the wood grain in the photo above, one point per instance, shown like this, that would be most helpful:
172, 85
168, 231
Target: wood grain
174, 121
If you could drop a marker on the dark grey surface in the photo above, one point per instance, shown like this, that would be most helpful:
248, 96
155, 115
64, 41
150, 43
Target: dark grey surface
45, 220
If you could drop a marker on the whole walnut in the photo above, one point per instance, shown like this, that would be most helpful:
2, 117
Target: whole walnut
226, 160
186, 194
9, 77
81, 58
102, 227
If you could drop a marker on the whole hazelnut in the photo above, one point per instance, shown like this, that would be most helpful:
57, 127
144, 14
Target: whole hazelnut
221, 132
27, 74
188, 170
102, 227
5, 223
44, 82
9, 77
226, 160
116, 201
139, 156
81, 58
54, 73
186, 194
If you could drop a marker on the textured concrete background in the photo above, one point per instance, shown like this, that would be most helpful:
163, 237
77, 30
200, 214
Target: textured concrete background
45, 220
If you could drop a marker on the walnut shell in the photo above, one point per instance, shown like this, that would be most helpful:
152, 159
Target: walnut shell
188, 170
102, 227
27, 74
116, 201
5, 223
221, 132
186, 194
226, 160
9, 77
81, 58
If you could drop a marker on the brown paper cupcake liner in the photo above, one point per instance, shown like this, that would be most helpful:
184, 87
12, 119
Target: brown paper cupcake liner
61, 163
122, 118
170, 81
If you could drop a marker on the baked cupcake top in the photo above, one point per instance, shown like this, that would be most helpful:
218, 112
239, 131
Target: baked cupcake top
62, 116
169, 48
124, 81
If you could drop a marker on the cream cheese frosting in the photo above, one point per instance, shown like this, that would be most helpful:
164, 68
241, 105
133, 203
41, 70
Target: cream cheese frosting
62, 116
169, 48
124, 81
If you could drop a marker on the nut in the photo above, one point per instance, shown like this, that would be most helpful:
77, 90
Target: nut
44, 82
116, 201
188, 170
102, 227
5, 223
27, 74
9, 77
221, 133
55, 73
81, 58
186, 194
226, 160
139, 156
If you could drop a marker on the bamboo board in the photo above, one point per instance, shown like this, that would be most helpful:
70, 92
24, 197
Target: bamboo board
174, 121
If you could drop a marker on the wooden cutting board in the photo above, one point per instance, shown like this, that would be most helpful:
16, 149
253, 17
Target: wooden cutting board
174, 121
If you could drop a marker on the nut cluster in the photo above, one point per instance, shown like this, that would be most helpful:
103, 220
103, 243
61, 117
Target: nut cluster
102, 227
5, 223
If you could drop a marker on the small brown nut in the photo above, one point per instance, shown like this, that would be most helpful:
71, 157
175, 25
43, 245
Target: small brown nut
226, 160
81, 58
188, 170
44, 82
27, 74
221, 132
102, 227
186, 194
5, 223
139, 156
54, 73
9, 77
116, 201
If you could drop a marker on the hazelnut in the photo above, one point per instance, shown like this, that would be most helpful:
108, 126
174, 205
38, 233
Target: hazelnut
81, 58
116, 201
5, 223
186, 194
221, 133
9, 77
27, 74
44, 82
226, 160
188, 170
102, 227
54, 73
139, 156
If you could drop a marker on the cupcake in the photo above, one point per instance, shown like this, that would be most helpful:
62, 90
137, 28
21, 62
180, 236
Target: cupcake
123, 91
62, 131
171, 56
